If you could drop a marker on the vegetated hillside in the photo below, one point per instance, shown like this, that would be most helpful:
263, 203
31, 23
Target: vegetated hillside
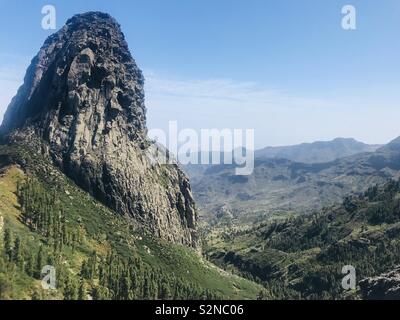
46, 220
282, 186
303, 257
317, 152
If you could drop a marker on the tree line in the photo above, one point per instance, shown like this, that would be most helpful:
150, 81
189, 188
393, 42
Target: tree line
58, 242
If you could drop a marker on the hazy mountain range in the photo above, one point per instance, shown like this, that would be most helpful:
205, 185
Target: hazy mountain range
319, 151
284, 185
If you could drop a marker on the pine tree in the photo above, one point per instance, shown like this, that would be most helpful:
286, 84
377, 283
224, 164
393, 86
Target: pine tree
146, 289
39, 262
29, 269
125, 286
82, 290
17, 258
70, 289
100, 293
165, 292
8, 244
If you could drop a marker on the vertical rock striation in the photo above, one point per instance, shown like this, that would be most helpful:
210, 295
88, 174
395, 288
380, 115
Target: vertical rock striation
82, 104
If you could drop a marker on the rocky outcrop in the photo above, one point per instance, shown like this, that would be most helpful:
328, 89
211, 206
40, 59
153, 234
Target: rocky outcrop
82, 104
383, 287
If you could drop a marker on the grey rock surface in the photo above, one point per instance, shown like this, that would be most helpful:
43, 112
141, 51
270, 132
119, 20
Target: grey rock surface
383, 287
82, 104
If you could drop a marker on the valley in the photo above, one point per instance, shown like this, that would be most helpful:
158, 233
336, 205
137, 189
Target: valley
296, 233
302, 257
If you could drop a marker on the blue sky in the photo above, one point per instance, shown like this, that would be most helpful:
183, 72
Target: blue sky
285, 68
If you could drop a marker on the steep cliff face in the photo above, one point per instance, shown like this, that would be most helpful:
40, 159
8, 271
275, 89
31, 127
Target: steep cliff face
82, 104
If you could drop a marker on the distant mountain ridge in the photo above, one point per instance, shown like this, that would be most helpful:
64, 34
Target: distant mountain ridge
284, 186
393, 145
317, 152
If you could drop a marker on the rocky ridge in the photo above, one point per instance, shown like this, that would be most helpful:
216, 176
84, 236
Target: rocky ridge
82, 105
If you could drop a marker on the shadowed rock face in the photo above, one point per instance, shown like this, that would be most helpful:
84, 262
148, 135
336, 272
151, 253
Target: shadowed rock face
82, 104
383, 287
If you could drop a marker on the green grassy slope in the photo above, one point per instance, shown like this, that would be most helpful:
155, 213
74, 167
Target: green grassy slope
61, 225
